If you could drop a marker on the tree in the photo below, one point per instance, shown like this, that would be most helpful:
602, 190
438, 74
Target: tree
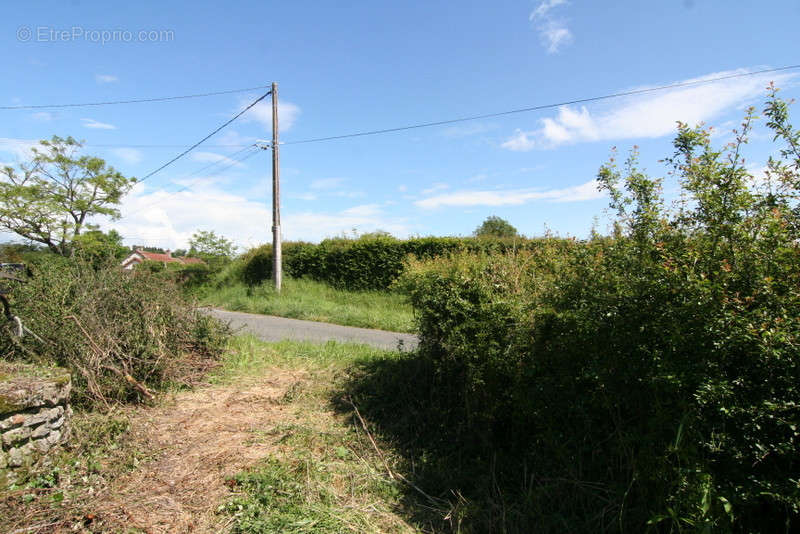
209, 245
494, 226
100, 246
50, 199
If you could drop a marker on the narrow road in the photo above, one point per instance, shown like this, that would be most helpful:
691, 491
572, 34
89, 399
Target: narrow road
271, 328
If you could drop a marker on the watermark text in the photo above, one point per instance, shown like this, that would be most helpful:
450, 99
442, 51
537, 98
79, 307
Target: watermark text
49, 34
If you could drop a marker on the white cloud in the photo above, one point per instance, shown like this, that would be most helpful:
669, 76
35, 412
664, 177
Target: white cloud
555, 34
213, 157
542, 9
128, 155
512, 197
168, 219
645, 116
20, 148
402, 188
105, 78
96, 125
262, 112
520, 142
552, 31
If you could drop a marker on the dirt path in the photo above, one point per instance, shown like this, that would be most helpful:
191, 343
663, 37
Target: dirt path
198, 439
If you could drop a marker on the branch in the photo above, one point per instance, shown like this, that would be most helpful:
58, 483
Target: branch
99, 352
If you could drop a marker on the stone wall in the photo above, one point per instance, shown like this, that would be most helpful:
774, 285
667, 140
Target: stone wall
34, 415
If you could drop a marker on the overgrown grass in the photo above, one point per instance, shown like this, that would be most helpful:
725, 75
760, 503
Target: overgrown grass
316, 301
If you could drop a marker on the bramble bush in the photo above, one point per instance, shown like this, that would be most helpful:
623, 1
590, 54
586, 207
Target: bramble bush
645, 381
122, 334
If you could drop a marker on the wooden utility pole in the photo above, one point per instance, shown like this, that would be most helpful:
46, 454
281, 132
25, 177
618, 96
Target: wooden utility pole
277, 271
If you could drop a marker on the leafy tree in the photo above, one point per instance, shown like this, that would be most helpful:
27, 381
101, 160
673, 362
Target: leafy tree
495, 227
50, 199
208, 245
100, 246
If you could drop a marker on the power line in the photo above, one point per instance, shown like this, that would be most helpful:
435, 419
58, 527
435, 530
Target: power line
162, 146
539, 107
179, 156
485, 116
135, 101
230, 164
225, 159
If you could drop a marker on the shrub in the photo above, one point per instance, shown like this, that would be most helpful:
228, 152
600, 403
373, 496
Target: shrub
657, 371
121, 333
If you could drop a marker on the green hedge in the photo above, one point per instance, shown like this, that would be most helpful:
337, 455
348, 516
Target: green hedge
373, 262
645, 382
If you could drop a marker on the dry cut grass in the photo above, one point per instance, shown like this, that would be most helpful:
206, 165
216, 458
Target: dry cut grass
208, 460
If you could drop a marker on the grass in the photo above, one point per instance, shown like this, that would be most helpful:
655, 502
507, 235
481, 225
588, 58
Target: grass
324, 477
247, 356
316, 301
323, 473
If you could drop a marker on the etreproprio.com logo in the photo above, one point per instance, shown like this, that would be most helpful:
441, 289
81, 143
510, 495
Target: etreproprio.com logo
48, 34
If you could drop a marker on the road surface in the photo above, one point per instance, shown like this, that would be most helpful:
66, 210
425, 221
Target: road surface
270, 328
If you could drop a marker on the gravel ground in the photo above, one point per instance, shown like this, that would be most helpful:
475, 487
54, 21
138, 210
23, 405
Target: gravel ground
270, 328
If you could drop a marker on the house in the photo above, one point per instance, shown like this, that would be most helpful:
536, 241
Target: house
139, 255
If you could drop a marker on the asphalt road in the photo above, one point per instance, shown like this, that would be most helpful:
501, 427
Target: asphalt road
270, 328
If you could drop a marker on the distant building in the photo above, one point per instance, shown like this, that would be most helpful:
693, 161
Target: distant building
139, 255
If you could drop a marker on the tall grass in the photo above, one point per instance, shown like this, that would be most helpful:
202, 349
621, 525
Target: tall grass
316, 301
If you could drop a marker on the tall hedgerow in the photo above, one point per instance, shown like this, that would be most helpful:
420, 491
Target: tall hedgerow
368, 262
649, 380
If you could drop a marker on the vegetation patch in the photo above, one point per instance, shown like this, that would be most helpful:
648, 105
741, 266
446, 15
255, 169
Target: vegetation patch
371, 261
122, 335
316, 301
645, 381
323, 474
60, 493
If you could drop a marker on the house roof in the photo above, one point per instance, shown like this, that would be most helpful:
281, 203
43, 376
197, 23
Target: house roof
157, 256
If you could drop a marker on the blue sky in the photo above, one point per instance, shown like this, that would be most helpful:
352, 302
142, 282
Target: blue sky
352, 66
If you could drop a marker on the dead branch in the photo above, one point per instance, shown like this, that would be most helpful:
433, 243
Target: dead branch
99, 353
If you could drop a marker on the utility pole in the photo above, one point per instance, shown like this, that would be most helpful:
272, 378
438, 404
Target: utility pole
277, 271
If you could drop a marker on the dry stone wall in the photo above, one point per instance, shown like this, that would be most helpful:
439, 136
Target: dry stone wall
34, 415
